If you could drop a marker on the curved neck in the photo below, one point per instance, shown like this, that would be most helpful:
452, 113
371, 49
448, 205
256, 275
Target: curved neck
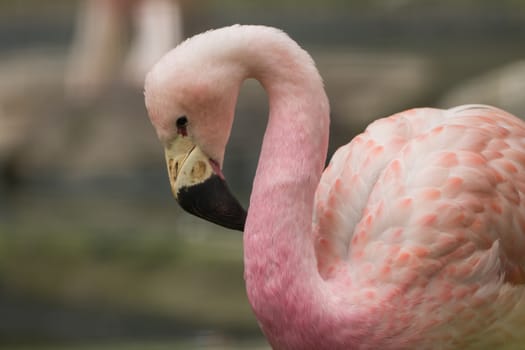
281, 274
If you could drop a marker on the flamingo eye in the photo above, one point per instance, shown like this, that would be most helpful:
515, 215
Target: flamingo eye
182, 123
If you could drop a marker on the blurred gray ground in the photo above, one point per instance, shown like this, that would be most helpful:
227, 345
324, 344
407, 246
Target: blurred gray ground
91, 244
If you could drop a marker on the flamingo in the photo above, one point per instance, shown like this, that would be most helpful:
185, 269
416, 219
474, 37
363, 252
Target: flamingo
411, 238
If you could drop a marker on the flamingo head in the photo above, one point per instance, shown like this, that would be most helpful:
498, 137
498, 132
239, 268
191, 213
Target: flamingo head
191, 101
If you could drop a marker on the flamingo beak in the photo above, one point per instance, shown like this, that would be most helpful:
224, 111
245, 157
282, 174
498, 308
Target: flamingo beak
199, 186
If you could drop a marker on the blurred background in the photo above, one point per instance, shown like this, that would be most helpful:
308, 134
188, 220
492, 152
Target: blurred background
94, 252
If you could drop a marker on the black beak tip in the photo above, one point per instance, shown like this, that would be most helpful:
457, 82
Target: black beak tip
213, 201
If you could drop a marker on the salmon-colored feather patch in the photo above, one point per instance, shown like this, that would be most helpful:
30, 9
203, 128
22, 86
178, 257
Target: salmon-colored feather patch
449, 160
431, 194
428, 220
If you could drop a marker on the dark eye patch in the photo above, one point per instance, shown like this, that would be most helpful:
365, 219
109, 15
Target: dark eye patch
181, 124
182, 121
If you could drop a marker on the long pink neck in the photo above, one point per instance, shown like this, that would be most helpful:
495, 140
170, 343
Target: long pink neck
283, 284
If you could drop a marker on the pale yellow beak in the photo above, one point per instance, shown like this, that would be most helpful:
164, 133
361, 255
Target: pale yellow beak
199, 187
187, 165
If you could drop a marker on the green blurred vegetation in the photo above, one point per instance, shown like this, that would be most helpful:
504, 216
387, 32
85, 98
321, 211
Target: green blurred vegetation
198, 280
181, 345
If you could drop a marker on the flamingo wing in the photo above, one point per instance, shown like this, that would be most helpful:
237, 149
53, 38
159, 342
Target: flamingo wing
347, 182
430, 205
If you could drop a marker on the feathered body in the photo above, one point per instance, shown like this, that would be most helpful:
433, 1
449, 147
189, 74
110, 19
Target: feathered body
412, 238
434, 200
